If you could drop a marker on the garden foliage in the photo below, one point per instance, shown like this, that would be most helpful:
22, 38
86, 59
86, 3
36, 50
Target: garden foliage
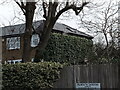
66, 48
30, 75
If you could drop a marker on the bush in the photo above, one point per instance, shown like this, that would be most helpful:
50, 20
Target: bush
66, 48
102, 55
105, 61
30, 75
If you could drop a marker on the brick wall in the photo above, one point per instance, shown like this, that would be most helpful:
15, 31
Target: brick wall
13, 54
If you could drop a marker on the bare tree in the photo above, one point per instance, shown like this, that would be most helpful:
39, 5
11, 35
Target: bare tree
52, 10
28, 9
103, 22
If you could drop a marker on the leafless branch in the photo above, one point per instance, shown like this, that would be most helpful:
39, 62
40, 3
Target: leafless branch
22, 7
73, 7
44, 9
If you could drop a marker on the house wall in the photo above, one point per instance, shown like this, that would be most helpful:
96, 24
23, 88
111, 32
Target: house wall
13, 54
0, 49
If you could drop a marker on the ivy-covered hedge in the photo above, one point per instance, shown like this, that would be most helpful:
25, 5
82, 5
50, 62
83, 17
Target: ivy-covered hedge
30, 75
67, 48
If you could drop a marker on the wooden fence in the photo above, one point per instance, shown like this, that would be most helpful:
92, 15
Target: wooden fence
105, 74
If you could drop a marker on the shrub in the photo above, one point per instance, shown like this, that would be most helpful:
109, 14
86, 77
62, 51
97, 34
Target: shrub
30, 75
105, 61
66, 48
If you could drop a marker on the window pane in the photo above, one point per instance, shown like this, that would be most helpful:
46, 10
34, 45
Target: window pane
35, 40
13, 43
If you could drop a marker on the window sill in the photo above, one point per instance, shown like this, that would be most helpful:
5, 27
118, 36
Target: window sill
13, 49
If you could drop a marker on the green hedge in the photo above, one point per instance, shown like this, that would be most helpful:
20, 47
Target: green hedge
66, 48
30, 75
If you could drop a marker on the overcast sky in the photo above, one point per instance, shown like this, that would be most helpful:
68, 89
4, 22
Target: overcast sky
9, 10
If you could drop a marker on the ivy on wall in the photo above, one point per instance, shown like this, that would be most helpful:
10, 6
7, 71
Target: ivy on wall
67, 48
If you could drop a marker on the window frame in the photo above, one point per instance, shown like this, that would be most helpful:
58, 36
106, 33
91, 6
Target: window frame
13, 43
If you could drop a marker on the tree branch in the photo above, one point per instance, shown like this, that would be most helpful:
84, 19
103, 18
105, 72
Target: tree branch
44, 9
79, 9
50, 8
72, 6
63, 10
54, 8
22, 7
67, 3
22, 4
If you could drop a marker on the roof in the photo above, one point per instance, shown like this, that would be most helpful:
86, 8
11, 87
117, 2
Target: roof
38, 25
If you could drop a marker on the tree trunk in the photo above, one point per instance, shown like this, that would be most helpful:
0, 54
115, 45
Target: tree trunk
51, 15
48, 25
30, 8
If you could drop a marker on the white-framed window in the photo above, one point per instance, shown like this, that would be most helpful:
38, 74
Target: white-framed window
35, 40
14, 61
13, 43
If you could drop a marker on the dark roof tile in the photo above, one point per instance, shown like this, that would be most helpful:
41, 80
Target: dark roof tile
38, 26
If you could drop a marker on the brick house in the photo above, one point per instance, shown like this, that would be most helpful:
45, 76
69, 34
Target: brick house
12, 39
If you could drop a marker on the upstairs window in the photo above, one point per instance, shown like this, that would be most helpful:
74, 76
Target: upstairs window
13, 43
35, 40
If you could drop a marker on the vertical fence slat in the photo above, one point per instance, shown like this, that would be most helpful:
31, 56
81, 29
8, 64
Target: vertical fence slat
106, 74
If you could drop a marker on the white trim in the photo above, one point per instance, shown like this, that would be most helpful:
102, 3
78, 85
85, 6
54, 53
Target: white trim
14, 61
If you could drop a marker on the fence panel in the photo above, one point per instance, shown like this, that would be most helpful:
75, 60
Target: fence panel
105, 74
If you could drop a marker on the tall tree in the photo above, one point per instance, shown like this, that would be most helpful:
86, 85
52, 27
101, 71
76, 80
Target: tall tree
28, 9
52, 10
104, 24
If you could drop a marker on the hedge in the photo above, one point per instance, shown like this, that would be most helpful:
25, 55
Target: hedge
30, 75
66, 48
